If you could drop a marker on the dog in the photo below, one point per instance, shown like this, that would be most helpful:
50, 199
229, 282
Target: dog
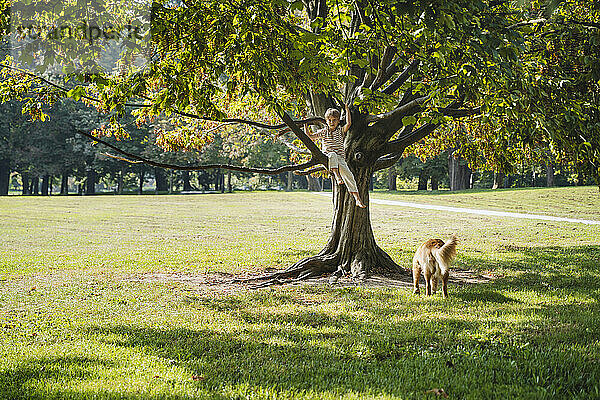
433, 258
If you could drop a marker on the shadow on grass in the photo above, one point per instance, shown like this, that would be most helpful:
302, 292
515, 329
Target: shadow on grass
546, 268
16, 383
485, 296
323, 343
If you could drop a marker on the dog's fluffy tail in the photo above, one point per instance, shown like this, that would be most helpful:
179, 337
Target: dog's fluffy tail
448, 251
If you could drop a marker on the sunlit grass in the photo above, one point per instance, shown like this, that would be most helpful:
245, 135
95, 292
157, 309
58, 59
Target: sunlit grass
74, 324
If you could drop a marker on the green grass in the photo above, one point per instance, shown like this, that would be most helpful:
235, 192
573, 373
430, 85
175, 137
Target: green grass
74, 324
572, 201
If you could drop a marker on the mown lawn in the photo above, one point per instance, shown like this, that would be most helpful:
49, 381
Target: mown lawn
75, 323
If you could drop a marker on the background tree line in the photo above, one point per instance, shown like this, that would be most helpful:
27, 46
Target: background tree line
50, 157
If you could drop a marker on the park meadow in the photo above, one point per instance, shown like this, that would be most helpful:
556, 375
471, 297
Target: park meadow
113, 297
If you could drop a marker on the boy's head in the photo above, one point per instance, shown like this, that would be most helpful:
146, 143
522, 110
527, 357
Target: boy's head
332, 117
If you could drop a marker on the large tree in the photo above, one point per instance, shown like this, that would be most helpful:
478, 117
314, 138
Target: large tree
405, 68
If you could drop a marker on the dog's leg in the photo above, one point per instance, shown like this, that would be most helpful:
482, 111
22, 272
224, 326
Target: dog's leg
416, 276
434, 283
427, 283
445, 284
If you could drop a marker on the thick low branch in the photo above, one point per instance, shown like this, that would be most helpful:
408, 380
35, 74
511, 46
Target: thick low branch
136, 159
289, 144
311, 170
317, 154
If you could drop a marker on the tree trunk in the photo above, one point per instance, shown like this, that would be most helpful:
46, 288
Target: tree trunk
25, 183
351, 247
290, 181
90, 182
423, 177
4, 177
142, 176
35, 186
186, 181
64, 184
160, 177
435, 183
459, 173
498, 180
549, 174
392, 177
120, 180
45, 182
229, 187
313, 184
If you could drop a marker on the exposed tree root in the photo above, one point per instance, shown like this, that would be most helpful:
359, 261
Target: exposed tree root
322, 264
303, 269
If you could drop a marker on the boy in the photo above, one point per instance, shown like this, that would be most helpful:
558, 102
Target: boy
333, 144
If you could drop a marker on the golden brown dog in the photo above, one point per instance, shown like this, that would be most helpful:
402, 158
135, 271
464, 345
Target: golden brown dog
433, 258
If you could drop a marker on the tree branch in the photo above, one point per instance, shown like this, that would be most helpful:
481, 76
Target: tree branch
289, 144
317, 154
460, 112
178, 112
386, 68
403, 77
311, 170
399, 111
412, 137
387, 161
136, 159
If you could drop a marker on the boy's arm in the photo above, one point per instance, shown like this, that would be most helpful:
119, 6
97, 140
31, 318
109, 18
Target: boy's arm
313, 136
346, 127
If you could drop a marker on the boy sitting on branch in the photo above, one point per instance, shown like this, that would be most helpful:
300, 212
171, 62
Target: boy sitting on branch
333, 136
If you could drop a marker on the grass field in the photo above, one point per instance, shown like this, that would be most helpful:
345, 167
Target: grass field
76, 323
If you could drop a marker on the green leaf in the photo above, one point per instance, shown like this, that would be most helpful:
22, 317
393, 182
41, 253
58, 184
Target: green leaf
409, 120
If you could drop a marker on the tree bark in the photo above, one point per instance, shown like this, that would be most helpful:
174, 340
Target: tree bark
435, 183
120, 180
35, 186
160, 177
549, 174
392, 177
90, 182
498, 180
64, 184
313, 184
459, 173
142, 176
4, 177
290, 181
229, 187
423, 177
45, 184
25, 183
186, 181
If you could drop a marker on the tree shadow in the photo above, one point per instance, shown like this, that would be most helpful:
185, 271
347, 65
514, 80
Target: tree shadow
14, 383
